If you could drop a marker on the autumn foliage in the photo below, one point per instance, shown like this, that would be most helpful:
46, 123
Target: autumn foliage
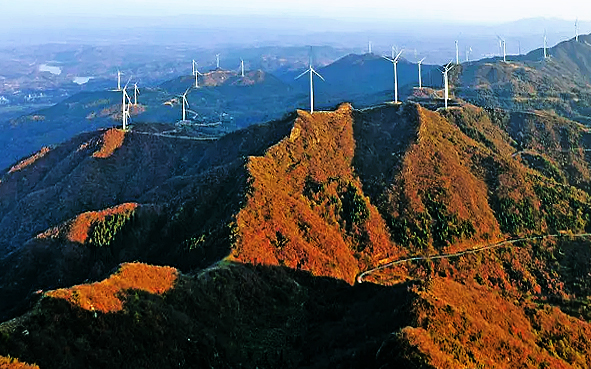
30, 160
112, 140
306, 208
107, 296
81, 228
346, 191
12, 363
470, 325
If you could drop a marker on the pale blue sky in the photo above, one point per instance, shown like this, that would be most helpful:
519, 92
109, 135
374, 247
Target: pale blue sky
453, 10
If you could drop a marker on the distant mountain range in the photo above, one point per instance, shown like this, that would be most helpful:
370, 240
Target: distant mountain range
526, 82
561, 82
224, 97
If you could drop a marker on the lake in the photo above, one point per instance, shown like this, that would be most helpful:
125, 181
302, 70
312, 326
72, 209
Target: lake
51, 69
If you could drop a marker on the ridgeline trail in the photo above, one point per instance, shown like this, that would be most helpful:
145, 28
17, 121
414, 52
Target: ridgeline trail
474, 250
177, 137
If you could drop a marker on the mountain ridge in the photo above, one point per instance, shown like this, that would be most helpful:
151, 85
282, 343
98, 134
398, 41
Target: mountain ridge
306, 204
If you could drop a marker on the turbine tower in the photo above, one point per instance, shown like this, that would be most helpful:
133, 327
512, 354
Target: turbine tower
503, 47
369, 47
126, 102
577, 30
136, 92
119, 80
445, 71
545, 46
394, 61
196, 73
193, 65
217, 61
468, 52
242, 67
457, 54
419, 64
312, 73
185, 103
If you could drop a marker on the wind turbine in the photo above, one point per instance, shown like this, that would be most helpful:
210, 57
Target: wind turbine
185, 103
468, 52
193, 65
196, 73
136, 92
502, 46
242, 67
312, 73
119, 80
394, 61
419, 64
217, 61
457, 54
577, 30
125, 106
369, 47
445, 71
545, 46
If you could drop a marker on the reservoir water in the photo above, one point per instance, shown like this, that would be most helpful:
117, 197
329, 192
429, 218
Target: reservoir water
82, 80
51, 69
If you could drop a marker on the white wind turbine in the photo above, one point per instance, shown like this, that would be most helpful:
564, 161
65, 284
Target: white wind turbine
126, 102
395, 61
119, 80
457, 53
502, 45
136, 92
312, 73
369, 47
217, 61
241, 67
468, 52
193, 66
577, 30
185, 103
445, 71
545, 46
419, 64
196, 73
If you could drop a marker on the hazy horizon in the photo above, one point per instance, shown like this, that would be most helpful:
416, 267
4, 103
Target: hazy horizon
28, 13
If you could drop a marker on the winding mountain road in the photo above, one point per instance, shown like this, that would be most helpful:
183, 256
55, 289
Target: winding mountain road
474, 250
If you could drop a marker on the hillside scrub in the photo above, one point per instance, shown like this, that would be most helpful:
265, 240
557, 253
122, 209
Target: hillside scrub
305, 207
98, 228
105, 296
112, 140
12, 363
30, 160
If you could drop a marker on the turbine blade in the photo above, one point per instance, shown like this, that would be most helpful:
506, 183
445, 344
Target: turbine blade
388, 59
129, 80
316, 73
398, 56
301, 75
